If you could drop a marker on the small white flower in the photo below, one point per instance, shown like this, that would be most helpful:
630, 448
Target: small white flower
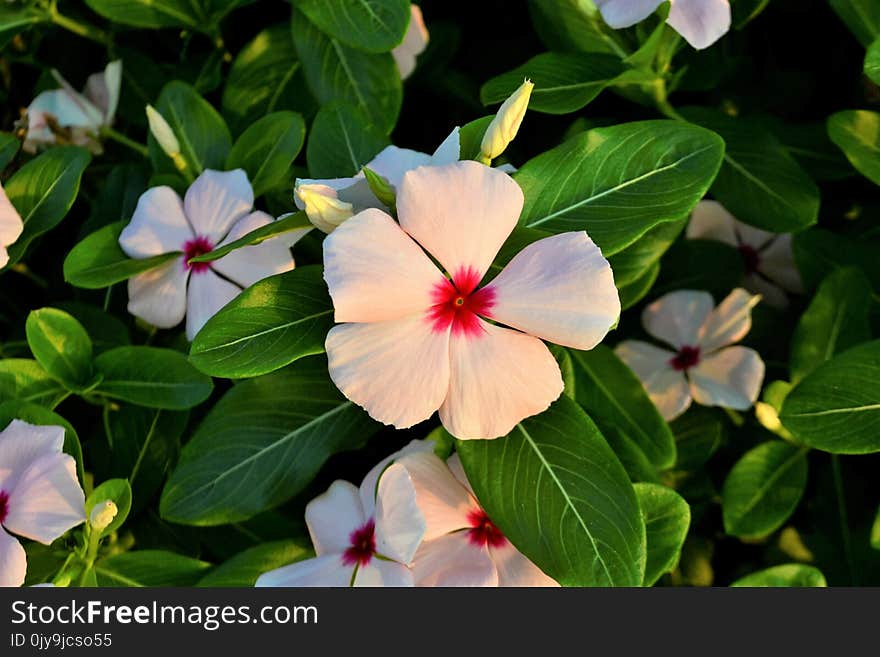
217, 210
11, 226
414, 43
768, 259
323, 207
64, 115
700, 22
703, 367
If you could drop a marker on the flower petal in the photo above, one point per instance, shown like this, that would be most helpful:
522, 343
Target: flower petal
452, 560
397, 370
13, 561
354, 190
158, 296
371, 480
514, 569
666, 387
676, 318
326, 571
461, 213
383, 573
157, 226
22, 444
449, 151
375, 272
711, 221
414, 43
624, 13
778, 264
67, 107
400, 525
497, 379
392, 163
700, 22
46, 500
730, 378
729, 322
206, 295
250, 264
333, 516
102, 89
443, 500
11, 225
216, 200
560, 289
454, 465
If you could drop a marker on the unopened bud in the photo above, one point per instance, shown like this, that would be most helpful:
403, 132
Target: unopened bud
506, 123
323, 207
165, 137
102, 515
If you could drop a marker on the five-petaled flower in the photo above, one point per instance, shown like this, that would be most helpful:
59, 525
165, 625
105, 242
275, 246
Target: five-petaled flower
40, 496
217, 210
11, 226
412, 340
700, 22
363, 536
704, 368
66, 116
768, 259
414, 43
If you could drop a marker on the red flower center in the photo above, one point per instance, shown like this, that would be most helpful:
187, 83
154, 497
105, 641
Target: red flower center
686, 358
458, 303
483, 531
750, 257
196, 247
4, 505
363, 545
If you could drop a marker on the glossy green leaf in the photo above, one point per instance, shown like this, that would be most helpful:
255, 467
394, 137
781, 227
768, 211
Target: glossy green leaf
296, 221
117, 491
61, 345
631, 264
245, 567
150, 13
857, 134
872, 61
266, 150
634, 292
9, 145
667, 520
818, 252
368, 25
875, 531
26, 380
573, 26
786, 575
150, 568
698, 435
862, 17
342, 141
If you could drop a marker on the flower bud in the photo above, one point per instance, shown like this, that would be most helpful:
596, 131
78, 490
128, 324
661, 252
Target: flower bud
165, 137
323, 207
506, 123
102, 515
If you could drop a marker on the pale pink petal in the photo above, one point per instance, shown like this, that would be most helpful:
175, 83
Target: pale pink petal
666, 387
383, 573
4, 257
324, 571
461, 213
514, 569
354, 190
560, 289
102, 89
400, 525
392, 162
67, 107
157, 226
454, 465
452, 560
46, 499
216, 200
497, 379
250, 264
624, 13
771, 294
711, 221
21, 445
333, 516
449, 151
444, 502
371, 480
13, 561
730, 378
376, 272
729, 322
700, 22
11, 225
778, 264
207, 294
676, 318
414, 43
158, 296
397, 370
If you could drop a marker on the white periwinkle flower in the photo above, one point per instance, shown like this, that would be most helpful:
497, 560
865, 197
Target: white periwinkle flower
11, 226
414, 43
700, 22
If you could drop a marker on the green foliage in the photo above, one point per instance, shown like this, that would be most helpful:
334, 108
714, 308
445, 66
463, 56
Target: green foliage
667, 519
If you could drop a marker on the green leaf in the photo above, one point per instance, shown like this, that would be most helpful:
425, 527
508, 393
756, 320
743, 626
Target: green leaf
836, 408
619, 182
150, 568
639, 257
857, 134
9, 145
557, 491
202, 132
786, 575
266, 150
872, 61
819, 252
470, 137
118, 197
836, 320
245, 567
61, 345
698, 435
270, 325
342, 141
152, 377
26, 380
368, 25
700, 265
335, 71
43, 191
564, 83
151, 13
13, 21
760, 183
573, 26
105, 330
117, 491
667, 519
98, 261
631, 293
616, 400
763, 489
875, 531
261, 444
862, 17
33, 414
296, 221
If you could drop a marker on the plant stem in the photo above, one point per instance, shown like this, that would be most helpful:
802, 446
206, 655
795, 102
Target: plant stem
120, 138
85, 30
843, 518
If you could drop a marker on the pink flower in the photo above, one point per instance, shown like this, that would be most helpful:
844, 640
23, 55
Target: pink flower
703, 368
11, 226
40, 497
217, 210
415, 341
362, 537
462, 546
414, 43
767, 257
700, 22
